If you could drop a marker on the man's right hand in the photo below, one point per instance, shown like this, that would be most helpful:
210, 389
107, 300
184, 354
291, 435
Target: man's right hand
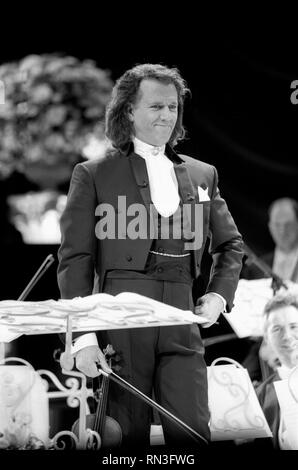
87, 359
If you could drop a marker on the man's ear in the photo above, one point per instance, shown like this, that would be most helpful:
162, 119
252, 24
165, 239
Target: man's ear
130, 113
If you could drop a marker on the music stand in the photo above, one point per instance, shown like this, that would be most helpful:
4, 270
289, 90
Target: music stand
65, 324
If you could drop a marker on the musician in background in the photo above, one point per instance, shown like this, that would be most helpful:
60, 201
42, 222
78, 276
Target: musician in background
283, 260
281, 334
283, 228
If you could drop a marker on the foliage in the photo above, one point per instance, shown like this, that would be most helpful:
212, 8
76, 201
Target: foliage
53, 105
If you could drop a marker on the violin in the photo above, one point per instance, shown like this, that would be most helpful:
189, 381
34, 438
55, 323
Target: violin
107, 427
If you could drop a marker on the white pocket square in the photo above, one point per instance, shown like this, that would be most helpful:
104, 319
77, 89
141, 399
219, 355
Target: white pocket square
203, 194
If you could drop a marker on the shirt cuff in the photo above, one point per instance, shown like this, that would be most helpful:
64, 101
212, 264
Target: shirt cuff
223, 301
83, 341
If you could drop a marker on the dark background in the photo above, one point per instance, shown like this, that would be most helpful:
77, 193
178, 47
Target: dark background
239, 118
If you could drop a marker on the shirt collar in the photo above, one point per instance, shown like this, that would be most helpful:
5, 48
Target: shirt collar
147, 150
169, 152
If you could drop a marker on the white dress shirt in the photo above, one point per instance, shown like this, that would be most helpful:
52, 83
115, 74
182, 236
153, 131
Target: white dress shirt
162, 178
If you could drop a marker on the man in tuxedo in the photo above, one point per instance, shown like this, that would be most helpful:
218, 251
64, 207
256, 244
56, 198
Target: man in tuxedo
101, 251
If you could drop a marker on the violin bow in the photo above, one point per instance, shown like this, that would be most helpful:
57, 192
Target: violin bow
120, 381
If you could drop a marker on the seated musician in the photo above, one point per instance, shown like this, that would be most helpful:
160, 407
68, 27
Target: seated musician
281, 335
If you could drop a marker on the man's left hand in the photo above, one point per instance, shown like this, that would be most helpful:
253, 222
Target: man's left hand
210, 307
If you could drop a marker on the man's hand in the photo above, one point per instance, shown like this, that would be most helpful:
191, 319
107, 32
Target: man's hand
210, 307
87, 359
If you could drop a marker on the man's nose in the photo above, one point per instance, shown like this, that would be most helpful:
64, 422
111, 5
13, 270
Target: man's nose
165, 114
288, 334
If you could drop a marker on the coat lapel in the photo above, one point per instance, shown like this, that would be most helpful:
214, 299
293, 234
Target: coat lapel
189, 197
186, 188
139, 170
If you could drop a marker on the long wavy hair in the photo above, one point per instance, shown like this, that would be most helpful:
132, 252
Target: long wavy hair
119, 128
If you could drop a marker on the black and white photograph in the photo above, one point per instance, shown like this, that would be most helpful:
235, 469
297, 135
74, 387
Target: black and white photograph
149, 234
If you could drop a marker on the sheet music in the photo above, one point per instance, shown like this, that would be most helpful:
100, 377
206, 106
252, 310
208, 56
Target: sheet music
90, 313
7, 335
246, 317
235, 410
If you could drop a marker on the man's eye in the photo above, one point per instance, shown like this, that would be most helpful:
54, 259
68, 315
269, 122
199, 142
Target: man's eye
173, 108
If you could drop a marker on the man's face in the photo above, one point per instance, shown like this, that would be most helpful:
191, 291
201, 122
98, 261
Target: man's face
155, 112
282, 334
283, 226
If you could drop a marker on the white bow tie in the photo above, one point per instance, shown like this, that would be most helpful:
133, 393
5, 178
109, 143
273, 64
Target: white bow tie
156, 150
